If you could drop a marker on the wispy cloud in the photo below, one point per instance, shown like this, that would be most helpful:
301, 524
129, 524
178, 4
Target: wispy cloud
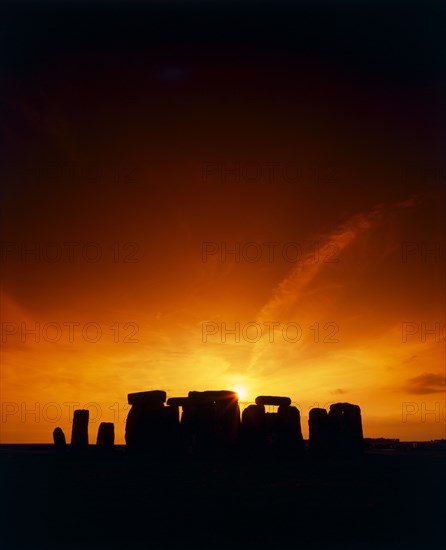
299, 282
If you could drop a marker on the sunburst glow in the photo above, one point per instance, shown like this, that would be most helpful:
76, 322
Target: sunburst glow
241, 392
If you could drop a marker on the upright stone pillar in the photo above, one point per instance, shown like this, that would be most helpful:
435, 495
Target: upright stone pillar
145, 428
320, 433
183, 439
59, 439
79, 434
213, 418
278, 433
106, 436
290, 440
346, 426
253, 430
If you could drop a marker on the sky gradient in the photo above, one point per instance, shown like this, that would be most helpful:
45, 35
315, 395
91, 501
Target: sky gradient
234, 198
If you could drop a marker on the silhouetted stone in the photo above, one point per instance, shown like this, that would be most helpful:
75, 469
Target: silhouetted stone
153, 397
272, 400
203, 424
274, 435
182, 439
290, 440
253, 430
144, 427
346, 426
271, 433
59, 438
151, 426
210, 426
187, 429
178, 401
211, 396
173, 432
320, 432
337, 433
106, 435
211, 421
228, 415
79, 434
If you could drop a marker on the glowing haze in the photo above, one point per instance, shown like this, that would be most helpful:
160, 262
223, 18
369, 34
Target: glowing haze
179, 217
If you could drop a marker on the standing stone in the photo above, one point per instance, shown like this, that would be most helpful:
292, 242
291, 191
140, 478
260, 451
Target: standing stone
276, 434
346, 426
172, 440
290, 440
320, 432
229, 419
272, 434
151, 426
254, 430
203, 423
59, 438
79, 434
106, 436
213, 421
182, 429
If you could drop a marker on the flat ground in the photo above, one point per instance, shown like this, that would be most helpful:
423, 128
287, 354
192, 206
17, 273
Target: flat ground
385, 500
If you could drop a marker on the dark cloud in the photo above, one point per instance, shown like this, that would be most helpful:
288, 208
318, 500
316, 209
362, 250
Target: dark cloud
427, 383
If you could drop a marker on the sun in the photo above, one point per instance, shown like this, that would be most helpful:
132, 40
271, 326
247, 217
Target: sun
241, 392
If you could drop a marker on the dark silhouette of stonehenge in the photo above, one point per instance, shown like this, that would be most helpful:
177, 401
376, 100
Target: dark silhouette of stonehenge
211, 426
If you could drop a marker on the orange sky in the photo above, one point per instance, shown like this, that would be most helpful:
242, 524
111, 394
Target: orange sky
155, 156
